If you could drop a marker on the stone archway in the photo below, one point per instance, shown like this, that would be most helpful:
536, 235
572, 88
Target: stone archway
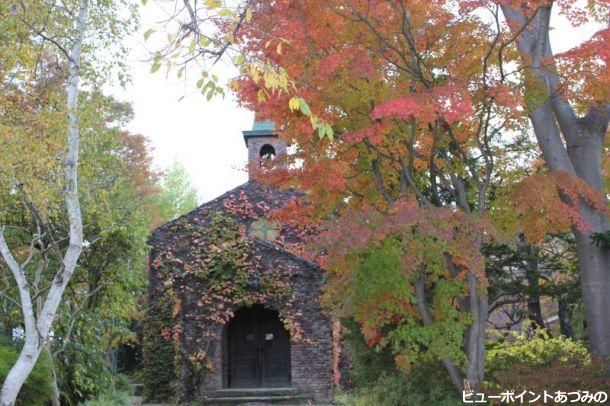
258, 348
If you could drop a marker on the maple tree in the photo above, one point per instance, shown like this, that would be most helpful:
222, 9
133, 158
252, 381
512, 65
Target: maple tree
418, 142
410, 108
411, 120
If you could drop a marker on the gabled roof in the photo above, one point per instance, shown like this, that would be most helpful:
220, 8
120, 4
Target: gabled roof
243, 204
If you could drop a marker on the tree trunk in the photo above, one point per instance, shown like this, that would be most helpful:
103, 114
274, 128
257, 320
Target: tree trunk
593, 260
565, 318
534, 309
55, 400
38, 326
20, 371
452, 369
579, 155
475, 335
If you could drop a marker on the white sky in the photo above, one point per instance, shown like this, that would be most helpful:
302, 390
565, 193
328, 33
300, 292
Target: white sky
206, 136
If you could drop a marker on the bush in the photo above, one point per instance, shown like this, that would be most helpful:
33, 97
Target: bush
118, 395
421, 388
82, 373
535, 348
38, 387
113, 398
378, 382
536, 362
366, 364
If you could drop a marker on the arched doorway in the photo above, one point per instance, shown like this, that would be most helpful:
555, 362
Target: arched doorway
259, 349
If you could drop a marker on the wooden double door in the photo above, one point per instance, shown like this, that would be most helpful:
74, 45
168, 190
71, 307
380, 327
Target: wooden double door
259, 349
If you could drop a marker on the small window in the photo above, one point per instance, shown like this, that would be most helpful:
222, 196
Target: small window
265, 229
267, 153
269, 336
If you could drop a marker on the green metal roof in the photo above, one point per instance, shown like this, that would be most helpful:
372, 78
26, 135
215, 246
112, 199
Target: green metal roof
260, 129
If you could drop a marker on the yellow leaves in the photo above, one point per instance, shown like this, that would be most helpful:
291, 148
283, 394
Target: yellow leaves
322, 128
148, 33
261, 96
177, 307
156, 63
248, 15
212, 4
294, 103
254, 73
239, 60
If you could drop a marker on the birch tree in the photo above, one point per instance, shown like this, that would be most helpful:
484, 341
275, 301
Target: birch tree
38, 326
66, 32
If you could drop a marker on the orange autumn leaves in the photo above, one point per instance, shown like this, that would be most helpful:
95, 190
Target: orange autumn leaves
535, 208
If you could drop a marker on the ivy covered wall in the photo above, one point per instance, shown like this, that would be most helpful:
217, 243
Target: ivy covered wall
206, 265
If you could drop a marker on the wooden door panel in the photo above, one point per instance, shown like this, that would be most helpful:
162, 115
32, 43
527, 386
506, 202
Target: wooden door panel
259, 349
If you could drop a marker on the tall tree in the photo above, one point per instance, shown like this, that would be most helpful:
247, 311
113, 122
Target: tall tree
568, 102
41, 29
417, 144
176, 195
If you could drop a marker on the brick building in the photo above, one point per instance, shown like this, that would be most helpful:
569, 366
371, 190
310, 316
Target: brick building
254, 335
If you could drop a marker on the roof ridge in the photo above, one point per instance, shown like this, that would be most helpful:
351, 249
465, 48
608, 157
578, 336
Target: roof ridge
281, 248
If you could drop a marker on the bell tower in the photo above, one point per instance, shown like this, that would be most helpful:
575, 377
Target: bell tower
263, 145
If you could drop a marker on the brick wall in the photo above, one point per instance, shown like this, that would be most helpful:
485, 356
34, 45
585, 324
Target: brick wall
254, 147
311, 366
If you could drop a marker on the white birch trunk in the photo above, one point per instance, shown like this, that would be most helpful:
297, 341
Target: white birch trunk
37, 327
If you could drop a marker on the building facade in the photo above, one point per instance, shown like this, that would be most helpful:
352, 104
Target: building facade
233, 312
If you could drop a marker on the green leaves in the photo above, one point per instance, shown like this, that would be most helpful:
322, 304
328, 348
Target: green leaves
322, 128
325, 130
304, 107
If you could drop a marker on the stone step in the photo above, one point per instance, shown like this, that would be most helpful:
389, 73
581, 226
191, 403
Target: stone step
259, 396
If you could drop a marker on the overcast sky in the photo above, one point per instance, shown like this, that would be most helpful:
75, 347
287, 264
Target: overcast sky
206, 136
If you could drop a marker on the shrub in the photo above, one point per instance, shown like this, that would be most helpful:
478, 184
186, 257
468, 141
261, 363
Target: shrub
82, 373
537, 362
535, 348
38, 388
117, 395
367, 363
398, 389
112, 398
378, 381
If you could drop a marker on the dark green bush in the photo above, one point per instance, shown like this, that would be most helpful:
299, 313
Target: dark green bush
38, 388
378, 382
417, 388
